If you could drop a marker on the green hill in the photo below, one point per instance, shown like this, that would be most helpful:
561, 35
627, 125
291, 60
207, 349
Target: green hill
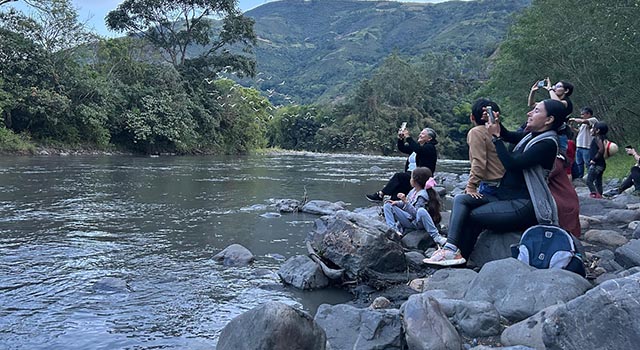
317, 50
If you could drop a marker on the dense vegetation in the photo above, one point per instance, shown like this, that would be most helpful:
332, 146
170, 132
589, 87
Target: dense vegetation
165, 86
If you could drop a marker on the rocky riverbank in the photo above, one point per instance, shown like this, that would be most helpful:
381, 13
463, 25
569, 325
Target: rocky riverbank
495, 301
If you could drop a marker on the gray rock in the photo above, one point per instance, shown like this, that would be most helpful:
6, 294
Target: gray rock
417, 239
493, 246
359, 246
472, 318
595, 207
636, 232
528, 332
606, 260
606, 317
518, 290
287, 205
606, 237
622, 215
303, 273
629, 254
517, 347
348, 327
426, 326
455, 281
629, 272
414, 260
275, 326
322, 207
235, 255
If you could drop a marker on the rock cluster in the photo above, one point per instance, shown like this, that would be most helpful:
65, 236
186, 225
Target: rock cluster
496, 301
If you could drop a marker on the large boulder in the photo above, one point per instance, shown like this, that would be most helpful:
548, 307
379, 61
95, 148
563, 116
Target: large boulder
606, 317
529, 331
596, 207
274, 326
472, 318
303, 273
358, 245
622, 216
493, 246
518, 290
234, 255
606, 237
629, 254
426, 325
418, 240
348, 327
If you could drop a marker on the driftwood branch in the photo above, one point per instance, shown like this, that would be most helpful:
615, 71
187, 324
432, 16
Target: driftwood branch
333, 274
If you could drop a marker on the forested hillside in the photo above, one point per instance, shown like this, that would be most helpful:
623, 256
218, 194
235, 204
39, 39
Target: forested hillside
308, 75
323, 49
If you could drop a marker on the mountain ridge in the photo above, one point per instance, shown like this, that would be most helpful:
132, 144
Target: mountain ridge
322, 49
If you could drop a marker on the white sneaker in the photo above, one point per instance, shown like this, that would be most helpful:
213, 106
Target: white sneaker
445, 257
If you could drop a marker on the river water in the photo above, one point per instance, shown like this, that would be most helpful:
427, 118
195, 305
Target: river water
115, 252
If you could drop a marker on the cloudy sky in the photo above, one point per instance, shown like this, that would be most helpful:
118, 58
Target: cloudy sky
95, 11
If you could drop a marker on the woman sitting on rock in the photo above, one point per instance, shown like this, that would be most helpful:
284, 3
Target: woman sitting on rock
523, 184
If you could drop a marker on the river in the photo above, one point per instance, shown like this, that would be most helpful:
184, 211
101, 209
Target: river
115, 252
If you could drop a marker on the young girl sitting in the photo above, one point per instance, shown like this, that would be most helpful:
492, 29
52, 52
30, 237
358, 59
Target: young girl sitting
420, 209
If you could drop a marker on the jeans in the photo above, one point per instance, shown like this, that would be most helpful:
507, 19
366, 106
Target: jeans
582, 161
594, 178
424, 221
394, 214
469, 216
486, 189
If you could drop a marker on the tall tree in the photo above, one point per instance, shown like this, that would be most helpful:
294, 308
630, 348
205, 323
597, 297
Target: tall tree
178, 27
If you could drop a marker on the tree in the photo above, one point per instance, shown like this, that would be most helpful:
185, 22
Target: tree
179, 27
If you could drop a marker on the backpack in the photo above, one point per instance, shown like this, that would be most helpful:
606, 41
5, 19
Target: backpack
549, 247
610, 148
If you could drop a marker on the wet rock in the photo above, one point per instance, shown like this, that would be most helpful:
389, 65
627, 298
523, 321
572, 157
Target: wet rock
606, 317
629, 254
111, 284
234, 255
319, 207
426, 325
303, 273
348, 327
287, 205
358, 245
273, 325
271, 215
606, 237
518, 290
493, 246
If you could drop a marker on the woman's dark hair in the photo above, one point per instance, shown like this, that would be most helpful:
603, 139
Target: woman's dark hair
602, 127
477, 109
421, 175
557, 110
568, 87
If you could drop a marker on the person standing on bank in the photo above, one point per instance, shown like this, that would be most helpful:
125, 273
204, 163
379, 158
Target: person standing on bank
522, 199
597, 164
583, 141
422, 153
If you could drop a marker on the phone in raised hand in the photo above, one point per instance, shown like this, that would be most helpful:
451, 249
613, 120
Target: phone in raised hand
492, 117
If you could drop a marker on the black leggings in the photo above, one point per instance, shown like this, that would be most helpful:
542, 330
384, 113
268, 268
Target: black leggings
398, 183
469, 216
632, 180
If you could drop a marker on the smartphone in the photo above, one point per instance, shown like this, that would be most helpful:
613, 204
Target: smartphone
541, 83
492, 117
403, 126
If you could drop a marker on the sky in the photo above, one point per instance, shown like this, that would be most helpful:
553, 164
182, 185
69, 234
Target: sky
94, 11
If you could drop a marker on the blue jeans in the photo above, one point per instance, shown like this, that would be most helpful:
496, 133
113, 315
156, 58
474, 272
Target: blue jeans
394, 214
582, 161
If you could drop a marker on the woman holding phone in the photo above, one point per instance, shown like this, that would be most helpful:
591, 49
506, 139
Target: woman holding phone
522, 199
422, 153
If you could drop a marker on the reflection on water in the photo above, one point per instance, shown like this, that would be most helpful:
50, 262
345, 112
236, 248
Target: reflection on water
115, 252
